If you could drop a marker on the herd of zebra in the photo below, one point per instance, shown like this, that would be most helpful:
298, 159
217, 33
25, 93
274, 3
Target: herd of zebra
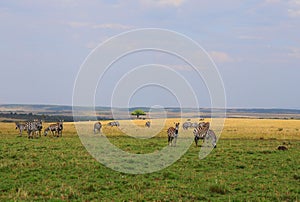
35, 128
98, 125
201, 131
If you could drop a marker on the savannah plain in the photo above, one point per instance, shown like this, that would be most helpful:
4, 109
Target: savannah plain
245, 166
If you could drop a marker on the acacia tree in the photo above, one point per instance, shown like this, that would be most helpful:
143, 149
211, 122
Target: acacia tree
138, 113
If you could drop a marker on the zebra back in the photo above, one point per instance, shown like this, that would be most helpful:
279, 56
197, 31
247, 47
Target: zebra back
147, 124
113, 123
33, 127
186, 125
201, 130
21, 127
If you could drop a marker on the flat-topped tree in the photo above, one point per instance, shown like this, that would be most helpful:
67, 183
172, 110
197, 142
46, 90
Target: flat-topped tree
138, 113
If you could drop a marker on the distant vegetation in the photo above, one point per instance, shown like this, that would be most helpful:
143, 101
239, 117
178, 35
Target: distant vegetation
12, 117
138, 113
51, 113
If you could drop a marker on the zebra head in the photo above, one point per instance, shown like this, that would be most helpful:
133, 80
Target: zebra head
60, 125
39, 124
204, 126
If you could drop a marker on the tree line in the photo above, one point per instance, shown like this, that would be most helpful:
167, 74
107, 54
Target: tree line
13, 116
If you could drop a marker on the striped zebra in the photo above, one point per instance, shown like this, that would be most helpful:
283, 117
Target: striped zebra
60, 128
39, 126
52, 128
148, 124
21, 127
114, 123
173, 134
186, 125
34, 127
203, 132
56, 129
97, 127
194, 125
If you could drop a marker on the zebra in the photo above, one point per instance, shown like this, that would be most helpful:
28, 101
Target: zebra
33, 127
199, 134
60, 128
97, 127
114, 123
56, 129
194, 125
186, 125
21, 127
53, 128
147, 124
173, 134
203, 132
39, 126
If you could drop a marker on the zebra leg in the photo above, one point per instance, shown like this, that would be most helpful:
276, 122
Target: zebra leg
170, 139
214, 138
196, 141
29, 134
36, 134
175, 140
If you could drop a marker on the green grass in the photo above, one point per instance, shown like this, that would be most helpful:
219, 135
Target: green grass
61, 169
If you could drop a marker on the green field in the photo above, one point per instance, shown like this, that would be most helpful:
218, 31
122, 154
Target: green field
246, 166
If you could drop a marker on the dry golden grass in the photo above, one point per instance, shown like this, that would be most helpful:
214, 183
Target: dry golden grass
234, 128
261, 129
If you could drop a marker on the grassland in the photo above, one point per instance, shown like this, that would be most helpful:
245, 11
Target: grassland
246, 166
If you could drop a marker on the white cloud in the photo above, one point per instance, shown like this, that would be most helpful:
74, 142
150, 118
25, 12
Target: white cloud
249, 37
78, 24
294, 10
112, 26
273, 1
294, 13
99, 26
294, 52
220, 57
91, 45
182, 67
292, 7
163, 3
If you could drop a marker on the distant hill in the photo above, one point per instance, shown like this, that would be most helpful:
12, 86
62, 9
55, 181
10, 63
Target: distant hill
13, 112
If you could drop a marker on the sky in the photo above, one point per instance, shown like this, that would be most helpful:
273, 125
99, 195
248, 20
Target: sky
254, 44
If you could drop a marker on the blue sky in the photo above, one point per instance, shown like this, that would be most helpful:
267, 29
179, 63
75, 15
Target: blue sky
255, 45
